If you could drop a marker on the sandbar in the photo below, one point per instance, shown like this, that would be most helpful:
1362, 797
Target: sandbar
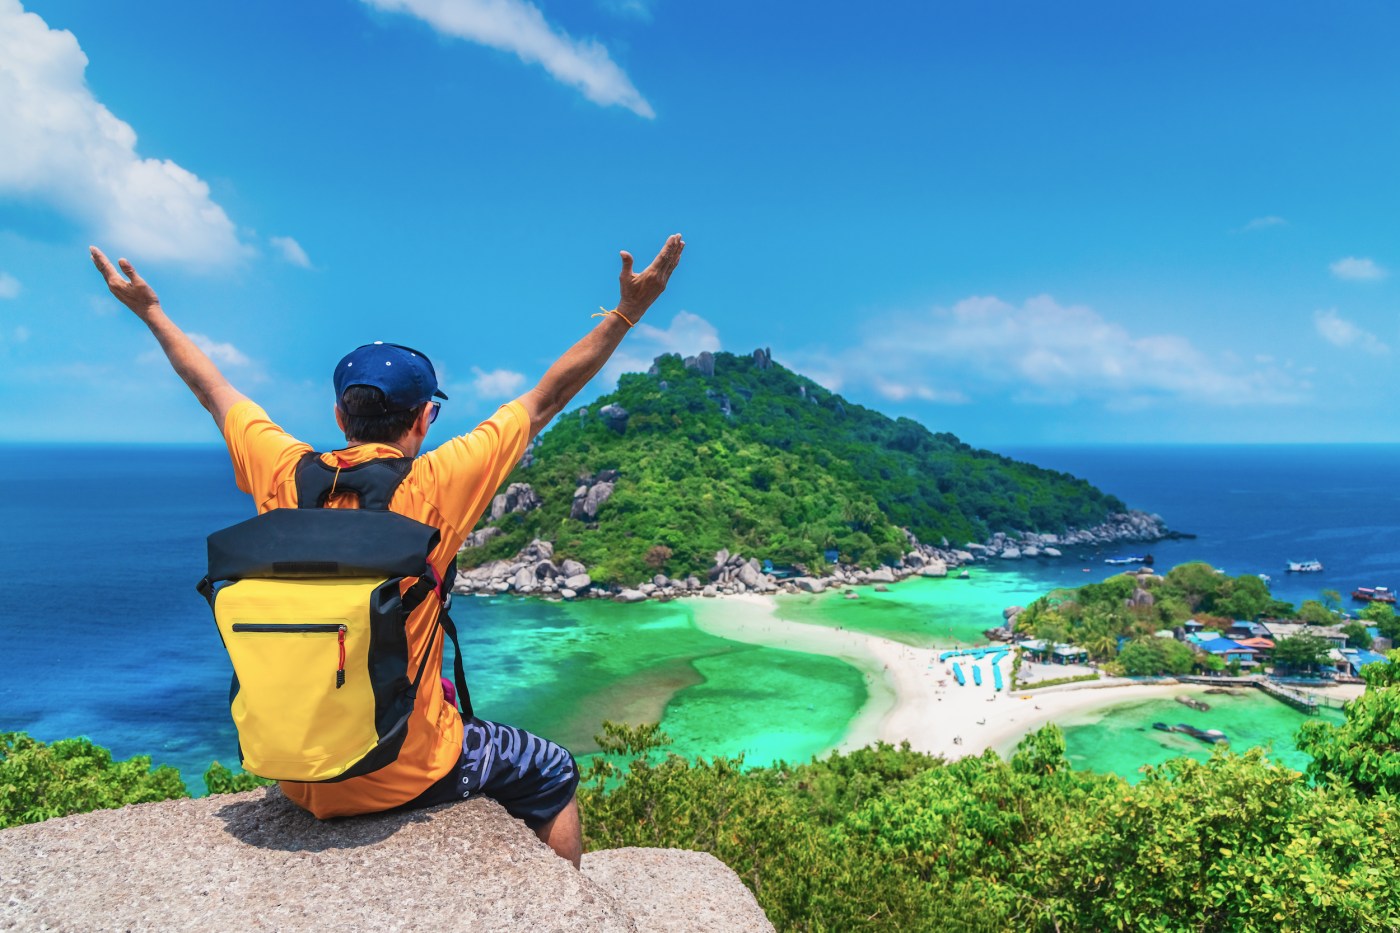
911, 697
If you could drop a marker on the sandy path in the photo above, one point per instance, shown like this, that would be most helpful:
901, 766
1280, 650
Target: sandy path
906, 701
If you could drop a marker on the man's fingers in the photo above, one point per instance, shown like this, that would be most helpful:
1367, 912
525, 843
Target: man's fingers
626, 264
103, 264
131, 272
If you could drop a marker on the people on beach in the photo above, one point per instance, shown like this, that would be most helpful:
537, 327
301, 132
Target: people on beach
386, 398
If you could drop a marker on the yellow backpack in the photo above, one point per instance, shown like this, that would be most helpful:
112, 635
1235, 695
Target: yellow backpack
311, 604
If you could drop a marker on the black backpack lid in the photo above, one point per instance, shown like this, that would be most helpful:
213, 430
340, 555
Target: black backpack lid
322, 543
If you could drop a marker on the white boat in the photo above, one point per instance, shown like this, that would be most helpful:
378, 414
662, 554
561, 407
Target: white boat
1306, 566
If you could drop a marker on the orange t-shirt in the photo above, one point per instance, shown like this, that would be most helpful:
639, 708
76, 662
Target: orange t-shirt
447, 489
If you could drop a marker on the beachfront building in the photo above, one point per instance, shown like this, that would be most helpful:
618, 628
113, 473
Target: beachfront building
1282, 630
1227, 649
1348, 662
1056, 654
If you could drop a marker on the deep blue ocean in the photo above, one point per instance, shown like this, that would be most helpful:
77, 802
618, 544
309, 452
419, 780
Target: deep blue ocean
103, 635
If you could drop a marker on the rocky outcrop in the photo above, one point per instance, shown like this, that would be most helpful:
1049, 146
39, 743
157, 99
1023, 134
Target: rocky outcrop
733, 573
589, 497
704, 363
518, 497
254, 861
762, 358
615, 417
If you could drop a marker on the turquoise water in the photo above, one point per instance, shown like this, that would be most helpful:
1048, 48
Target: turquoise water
104, 635
1120, 738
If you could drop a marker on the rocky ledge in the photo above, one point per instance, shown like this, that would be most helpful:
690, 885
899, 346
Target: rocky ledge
534, 572
254, 861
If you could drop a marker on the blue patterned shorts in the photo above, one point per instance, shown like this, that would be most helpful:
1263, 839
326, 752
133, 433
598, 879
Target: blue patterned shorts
531, 777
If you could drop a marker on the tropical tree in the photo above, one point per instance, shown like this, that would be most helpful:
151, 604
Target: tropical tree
1302, 652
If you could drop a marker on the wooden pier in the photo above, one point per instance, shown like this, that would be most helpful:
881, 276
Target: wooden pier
1303, 702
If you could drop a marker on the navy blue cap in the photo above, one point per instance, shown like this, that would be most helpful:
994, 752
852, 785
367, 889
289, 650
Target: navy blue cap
404, 375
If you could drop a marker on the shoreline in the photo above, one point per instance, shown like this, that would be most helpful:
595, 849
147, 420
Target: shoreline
905, 700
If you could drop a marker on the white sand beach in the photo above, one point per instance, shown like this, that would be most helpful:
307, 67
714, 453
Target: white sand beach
911, 696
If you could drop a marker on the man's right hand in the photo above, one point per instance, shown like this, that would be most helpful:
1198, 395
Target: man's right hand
130, 289
641, 289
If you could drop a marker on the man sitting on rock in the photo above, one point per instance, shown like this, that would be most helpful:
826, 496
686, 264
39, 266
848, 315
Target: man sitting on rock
385, 402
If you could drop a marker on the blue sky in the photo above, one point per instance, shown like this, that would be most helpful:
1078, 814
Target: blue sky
1025, 223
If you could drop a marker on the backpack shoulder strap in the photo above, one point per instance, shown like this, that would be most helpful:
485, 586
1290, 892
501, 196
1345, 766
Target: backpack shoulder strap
374, 480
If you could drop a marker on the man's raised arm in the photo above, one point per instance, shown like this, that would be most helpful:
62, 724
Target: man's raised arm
189, 361
581, 362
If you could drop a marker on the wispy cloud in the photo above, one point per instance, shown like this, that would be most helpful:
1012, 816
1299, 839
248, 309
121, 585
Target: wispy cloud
687, 334
291, 251
1040, 352
9, 286
631, 9
518, 26
1263, 223
62, 148
221, 352
1340, 332
1353, 269
498, 383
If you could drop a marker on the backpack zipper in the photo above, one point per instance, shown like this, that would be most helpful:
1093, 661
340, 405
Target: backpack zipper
301, 628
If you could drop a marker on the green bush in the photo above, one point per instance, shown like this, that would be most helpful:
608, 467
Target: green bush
39, 781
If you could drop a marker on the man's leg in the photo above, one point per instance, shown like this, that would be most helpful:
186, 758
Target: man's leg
563, 834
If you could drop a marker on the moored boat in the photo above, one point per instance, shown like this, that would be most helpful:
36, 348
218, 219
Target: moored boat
1305, 566
1373, 594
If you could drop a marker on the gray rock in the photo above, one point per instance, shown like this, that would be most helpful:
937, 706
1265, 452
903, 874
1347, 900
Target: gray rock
585, 508
481, 536
808, 585
750, 577
1030, 552
705, 363
518, 497
572, 568
881, 588
1050, 552
630, 596
880, 575
934, 568
524, 580
660, 580
254, 860
675, 891
762, 358
648, 589
709, 590
567, 593
615, 417
721, 557
1011, 553
578, 581
1011, 612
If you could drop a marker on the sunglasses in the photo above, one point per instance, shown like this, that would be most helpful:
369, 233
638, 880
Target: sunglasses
433, 411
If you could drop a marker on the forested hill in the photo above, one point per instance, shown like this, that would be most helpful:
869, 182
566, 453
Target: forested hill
725, 451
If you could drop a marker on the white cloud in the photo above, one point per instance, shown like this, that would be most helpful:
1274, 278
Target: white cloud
1264, 223
518, 26
687, 334
498, 383
61, 147
1041, 352
224, 353
1353, 269
1340, 332
9, 286
291, 251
